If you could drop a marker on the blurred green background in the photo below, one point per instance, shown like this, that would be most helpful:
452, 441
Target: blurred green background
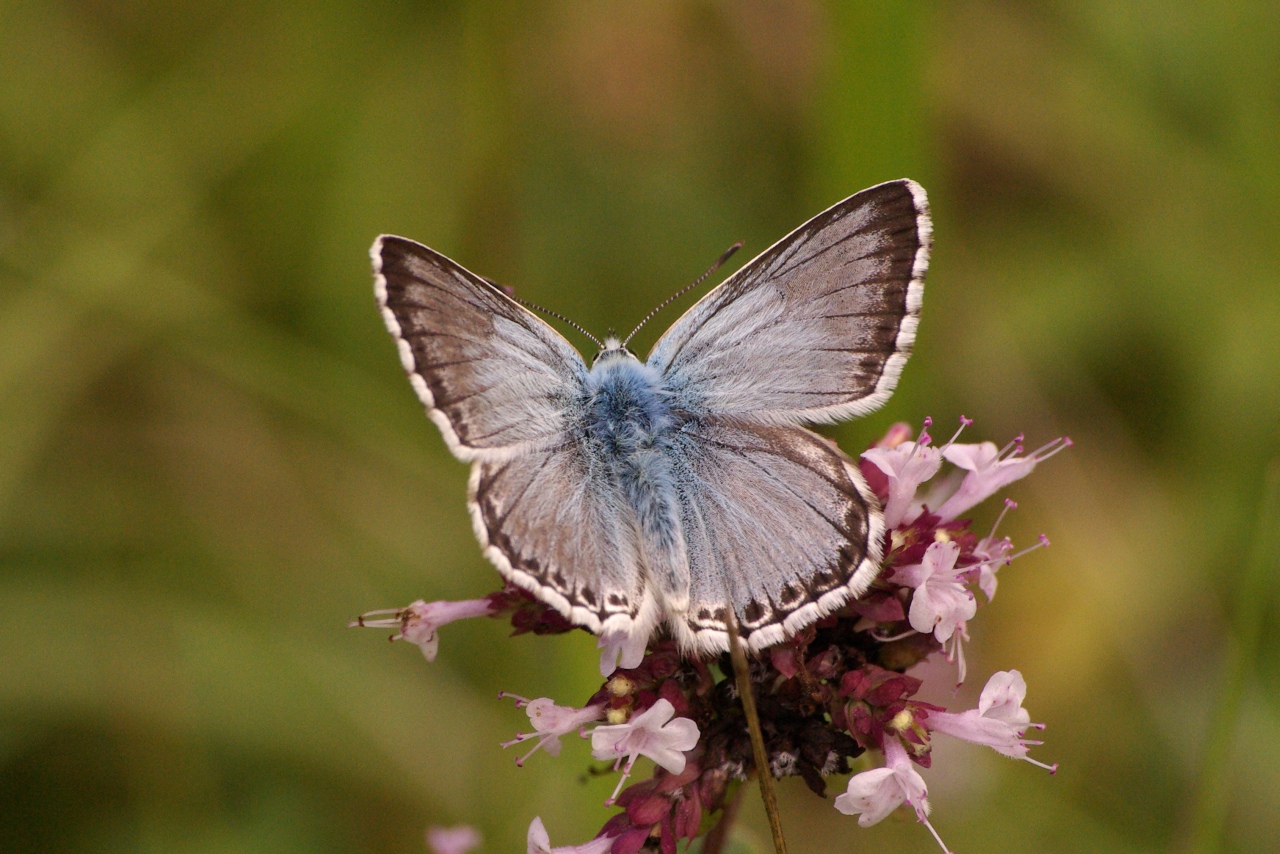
210, 458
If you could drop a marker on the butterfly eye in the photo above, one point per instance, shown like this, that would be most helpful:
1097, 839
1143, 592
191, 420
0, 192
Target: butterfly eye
613, 349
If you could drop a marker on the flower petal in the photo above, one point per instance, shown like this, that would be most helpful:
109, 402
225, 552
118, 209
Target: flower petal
871, 796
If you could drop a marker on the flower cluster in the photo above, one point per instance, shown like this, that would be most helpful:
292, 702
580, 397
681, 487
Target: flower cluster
834, 691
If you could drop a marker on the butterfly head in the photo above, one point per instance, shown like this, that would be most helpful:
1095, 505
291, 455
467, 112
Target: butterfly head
613, 348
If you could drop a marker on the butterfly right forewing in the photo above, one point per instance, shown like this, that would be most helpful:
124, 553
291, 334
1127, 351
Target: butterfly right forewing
816, 328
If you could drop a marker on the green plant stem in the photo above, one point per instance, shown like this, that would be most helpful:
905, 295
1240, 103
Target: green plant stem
1209, 812
743, 678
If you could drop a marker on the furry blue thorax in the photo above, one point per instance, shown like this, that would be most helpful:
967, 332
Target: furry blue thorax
627, 409
628, 417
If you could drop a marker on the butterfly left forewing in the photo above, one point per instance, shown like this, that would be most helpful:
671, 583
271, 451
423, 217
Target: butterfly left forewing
777, 522
497, 380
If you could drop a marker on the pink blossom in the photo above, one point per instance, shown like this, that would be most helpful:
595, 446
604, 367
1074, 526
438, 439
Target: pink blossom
550, 722
651, 733
954, 651
453, 840
621, 648
999, 722
874, 794
898, 433
990, 470
539, 842
941, 603
907, 465
419, 621
994, 553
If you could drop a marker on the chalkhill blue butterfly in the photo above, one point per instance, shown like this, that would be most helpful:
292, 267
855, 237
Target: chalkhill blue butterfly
634, 495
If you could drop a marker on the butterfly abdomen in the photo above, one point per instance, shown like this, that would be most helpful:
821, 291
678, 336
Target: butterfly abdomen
629, 423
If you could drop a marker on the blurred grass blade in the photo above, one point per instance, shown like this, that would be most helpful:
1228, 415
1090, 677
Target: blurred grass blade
1252, 600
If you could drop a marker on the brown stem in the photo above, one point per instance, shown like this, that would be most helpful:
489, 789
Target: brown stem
743, 677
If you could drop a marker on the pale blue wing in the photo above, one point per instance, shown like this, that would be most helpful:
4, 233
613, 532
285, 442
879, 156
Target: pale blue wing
497, 380
776, 521
815, 329
555, 523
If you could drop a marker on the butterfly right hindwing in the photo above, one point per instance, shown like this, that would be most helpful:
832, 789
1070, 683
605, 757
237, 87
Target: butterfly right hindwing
778, 522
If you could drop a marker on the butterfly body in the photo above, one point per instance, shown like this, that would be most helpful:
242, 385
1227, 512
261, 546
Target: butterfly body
630, 424
677, 489
627, 409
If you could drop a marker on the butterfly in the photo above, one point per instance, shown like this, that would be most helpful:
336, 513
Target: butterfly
629, 495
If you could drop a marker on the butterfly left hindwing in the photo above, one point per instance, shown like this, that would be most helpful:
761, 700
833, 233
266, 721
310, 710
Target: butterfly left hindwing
556, 527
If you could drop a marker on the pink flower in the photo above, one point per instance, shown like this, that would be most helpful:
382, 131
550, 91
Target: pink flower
540, 842
907, 465
941, 603
418, 622
550, 722
453, 840
651, 733
621, 648
874, 794
999, 722
994, 553
990, 470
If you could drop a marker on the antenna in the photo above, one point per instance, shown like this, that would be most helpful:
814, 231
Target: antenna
728, 253
534, 307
